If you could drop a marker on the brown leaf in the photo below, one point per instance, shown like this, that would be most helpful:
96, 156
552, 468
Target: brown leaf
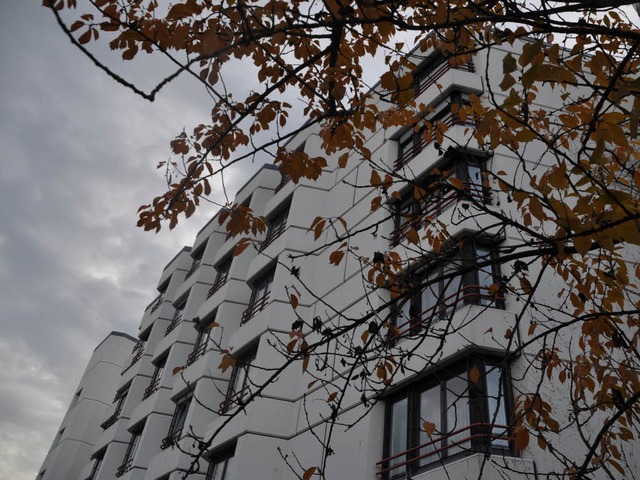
308, 473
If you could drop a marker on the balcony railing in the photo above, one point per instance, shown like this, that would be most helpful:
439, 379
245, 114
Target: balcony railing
172, 326
137, 356
217, 286
272, 236
194, 267
233, 399
110, 421
468, 294
151, 389
171, 439
431, 78
484, 433
436, 204
254, 308
155, 303
447, 117
197, 353
137, 346
124, 468
285, 179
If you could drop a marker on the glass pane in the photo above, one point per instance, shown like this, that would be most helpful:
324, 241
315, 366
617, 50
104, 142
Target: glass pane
485, 275
398, 435
430, 411
228, 468
452, 290
457, 414
429, 298
495, 403
475, 181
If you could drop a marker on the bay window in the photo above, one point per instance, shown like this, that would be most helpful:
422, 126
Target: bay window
453, 413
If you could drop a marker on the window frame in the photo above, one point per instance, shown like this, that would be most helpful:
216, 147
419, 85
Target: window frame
130, 452
433, 193
222, 268
178, 421
244, 362
467, 287
224, 457
474, 434
276, 225
261, 287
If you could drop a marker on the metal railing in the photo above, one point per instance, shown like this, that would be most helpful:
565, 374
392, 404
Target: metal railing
464, 294
434, 205
448, 118
414, 456
171, 439
197, 353
217, 286
254, 308
137, 356
233, 399
151, 389
194, 267
285, 179
138, 346
155, 303
431, 78
124, 468
172, 326
272, 236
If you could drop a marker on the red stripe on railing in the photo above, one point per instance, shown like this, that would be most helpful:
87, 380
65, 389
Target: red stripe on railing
488, 435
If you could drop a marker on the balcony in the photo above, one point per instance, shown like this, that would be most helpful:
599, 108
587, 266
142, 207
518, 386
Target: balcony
171, 439
254, 308
445, 116
110, 421
137, 356
479, 438
468, 294
432, 77
435, 206
155, 303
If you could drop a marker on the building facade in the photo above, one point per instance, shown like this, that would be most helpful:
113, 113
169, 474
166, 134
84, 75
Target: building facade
80, 428
448, 413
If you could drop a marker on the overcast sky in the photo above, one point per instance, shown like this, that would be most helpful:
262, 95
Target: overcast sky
77, 157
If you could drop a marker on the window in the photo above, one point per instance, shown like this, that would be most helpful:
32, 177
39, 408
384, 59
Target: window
200, 345
433, 193
437, 290
130, 453
154, 384
240, 381
177, 422
449, 112
160, 298
260, 289
120, 398
221, 465
448, 416
222, 274
98, 459
276, 226
197, 259
177, 315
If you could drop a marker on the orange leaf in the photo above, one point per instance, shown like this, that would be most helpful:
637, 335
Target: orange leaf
240, 247
336, 257
308, 473
375, 178
429, 427
332, 397
474, 374
294, 301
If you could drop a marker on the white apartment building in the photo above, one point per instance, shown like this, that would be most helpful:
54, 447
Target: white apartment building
171, 393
